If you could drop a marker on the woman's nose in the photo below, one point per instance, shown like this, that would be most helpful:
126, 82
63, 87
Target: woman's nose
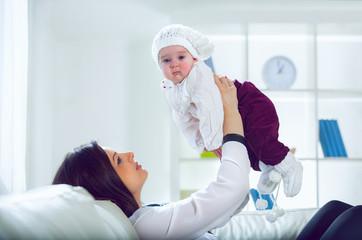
130, 156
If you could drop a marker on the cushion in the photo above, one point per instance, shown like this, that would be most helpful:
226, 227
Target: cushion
116, 220
61, 212
253, 225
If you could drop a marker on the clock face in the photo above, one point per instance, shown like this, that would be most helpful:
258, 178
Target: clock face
279, 73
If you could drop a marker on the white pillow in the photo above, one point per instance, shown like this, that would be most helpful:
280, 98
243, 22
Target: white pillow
116, 220
56, 212
253, 225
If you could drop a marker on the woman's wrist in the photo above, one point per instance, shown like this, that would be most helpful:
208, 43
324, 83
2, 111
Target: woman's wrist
234, 137
230, 110
233, 122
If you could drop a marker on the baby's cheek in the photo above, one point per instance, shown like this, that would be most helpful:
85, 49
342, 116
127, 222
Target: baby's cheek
166, 73
185, 67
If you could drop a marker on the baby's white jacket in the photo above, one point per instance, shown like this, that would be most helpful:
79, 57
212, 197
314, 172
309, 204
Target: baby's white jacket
197, 107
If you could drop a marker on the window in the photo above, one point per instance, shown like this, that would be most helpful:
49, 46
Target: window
13, 93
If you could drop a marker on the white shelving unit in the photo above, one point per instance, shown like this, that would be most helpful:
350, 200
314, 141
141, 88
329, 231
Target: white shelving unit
328, 59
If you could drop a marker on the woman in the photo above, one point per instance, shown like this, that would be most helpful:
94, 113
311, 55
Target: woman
90, 167
109, 175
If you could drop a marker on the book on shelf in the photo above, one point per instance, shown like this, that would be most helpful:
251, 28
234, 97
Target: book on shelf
330, 138
208, 155
324, 139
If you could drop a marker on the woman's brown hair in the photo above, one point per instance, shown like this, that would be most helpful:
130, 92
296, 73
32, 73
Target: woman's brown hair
88, 166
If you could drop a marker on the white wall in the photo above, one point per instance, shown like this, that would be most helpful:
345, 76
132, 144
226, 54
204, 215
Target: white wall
91, 76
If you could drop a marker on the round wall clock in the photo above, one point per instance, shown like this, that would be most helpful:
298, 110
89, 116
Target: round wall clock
279, 73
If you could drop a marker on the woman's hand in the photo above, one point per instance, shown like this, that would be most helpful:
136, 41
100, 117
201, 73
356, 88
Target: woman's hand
228, 92
232, 118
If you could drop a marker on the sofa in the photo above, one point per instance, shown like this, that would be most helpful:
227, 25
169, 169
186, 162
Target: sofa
67, 212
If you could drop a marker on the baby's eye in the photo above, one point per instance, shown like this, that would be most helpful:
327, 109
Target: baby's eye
181, 57
119, 160
166, 60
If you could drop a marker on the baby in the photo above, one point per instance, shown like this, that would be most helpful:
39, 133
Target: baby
180, 52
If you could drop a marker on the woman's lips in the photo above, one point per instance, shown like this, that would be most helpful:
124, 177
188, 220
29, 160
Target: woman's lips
138, 166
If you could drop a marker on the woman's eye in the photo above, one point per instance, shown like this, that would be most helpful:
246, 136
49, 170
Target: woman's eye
119, 160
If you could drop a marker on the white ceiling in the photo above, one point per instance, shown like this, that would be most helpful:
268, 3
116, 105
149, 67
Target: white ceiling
135, 18
193, 11
184, 5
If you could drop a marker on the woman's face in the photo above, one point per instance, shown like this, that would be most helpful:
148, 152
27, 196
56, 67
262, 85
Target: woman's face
176, 63
130, 172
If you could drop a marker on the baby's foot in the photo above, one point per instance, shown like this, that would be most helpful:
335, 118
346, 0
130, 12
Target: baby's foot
269, 179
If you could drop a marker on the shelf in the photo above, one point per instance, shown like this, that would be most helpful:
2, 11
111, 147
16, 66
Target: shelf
300, 159
306, 90
327, 86
340, 159
295, 95
331, 158
340, 94
319, 90
199, 159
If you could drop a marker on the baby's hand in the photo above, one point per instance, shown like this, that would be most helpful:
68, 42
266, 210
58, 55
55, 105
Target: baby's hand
217, 152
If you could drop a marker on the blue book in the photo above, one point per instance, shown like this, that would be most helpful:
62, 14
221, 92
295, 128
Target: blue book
268, 197
324, 139
338, 138
332, 138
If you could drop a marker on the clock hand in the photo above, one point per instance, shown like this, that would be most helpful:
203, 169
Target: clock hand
281, 69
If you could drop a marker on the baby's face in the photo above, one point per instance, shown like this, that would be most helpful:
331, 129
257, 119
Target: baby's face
175, 62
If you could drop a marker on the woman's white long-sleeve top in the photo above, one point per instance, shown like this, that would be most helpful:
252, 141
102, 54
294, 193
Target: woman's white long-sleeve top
204, 210
197, 107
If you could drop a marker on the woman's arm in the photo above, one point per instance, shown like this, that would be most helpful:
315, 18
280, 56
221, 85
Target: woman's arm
232, 117
210, 207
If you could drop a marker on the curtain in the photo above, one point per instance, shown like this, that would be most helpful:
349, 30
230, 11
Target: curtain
13, 93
